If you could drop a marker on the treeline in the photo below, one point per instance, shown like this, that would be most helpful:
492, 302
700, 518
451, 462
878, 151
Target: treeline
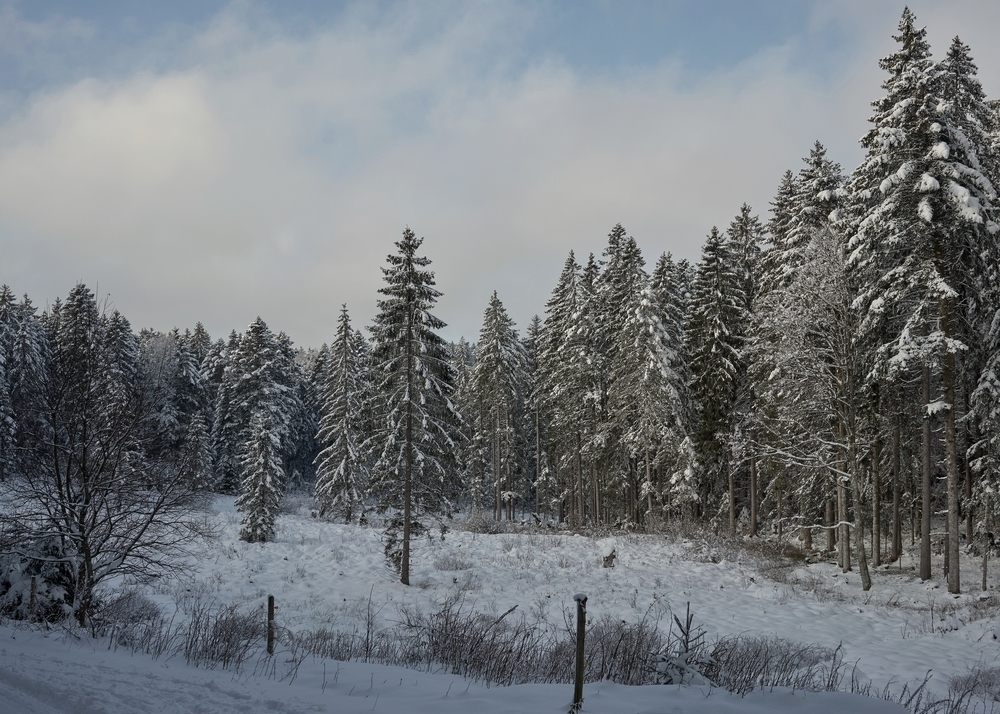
832, 369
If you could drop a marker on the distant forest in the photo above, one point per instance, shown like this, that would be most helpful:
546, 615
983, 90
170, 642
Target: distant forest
829, 371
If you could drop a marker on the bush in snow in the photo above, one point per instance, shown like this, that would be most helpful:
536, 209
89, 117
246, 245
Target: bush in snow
45, 562
685, 659
746, 663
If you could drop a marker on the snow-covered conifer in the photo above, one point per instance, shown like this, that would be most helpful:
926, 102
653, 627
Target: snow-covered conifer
416, 472
343, 465
716, 315
923, 207
500, 374
263, 479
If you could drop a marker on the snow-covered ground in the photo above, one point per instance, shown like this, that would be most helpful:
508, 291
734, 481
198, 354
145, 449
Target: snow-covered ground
331, 575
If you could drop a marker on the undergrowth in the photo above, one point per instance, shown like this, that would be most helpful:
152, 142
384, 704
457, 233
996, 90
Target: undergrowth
513, 648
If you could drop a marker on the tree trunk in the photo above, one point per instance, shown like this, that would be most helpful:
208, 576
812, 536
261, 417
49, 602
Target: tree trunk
951, 457
859, 519
831, 532
925, 485
581, 494
732, 499
780, 530
404, 565
876, 503
845, 532
497, 485
539, 500
595, 495
970, 526
897, 521
986, 544
649, 487
859, 539
753, 495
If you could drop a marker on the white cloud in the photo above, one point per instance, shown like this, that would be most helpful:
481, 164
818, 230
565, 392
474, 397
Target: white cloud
270, 173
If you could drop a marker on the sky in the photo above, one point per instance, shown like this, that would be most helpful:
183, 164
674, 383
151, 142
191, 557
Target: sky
216, 161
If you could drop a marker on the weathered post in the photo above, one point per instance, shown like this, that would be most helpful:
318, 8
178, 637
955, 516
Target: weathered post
581, 631
270, 624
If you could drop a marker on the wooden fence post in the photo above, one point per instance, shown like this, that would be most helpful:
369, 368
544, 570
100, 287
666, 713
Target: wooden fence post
270, 624
581, 631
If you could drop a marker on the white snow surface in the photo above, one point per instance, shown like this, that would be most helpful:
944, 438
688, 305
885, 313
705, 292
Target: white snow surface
323, 574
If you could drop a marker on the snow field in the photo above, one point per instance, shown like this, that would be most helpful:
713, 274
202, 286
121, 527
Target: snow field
323, 574
334, 575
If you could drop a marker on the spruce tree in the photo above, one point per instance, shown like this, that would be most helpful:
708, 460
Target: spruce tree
583, 376
228, 420
500, 374
343, 466
773, 271
746, 235
620, 288
260, 378
8, 427
647, 400
536, 431
715, 319
472, 452
263, 479
416, 471
196, 457
559, 399
922, 204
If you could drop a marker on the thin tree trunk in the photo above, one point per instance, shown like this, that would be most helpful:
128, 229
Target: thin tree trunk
859, 540
831, 532
925, 485
845, 531
595, 495
951, 456
538, 462
780, 525
859, 516
876, 501
581, 507
497, 486
897, 521
732, 499
970, 526
986, 546
404, 565
753, 495
649, 487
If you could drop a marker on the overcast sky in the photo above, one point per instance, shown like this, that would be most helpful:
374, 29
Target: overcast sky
197, 160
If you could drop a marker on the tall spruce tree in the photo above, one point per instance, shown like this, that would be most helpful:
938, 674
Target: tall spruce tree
714, 339
647, 399
500, 376
472, 452
343, 465
922, 203
558, 396
746, 235
260, 378
416, 471
620, 288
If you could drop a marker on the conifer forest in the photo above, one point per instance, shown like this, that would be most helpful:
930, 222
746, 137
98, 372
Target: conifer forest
827, 373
